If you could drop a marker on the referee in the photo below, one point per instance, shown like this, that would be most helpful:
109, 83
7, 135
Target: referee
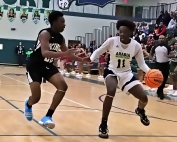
160, 54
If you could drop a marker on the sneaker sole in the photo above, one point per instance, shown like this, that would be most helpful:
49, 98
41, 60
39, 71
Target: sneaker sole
48, 125
104, 136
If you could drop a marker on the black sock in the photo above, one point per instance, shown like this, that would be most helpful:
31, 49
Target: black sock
104, 121
50, 113
28, 105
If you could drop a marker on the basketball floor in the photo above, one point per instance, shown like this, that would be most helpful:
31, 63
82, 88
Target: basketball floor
78, 117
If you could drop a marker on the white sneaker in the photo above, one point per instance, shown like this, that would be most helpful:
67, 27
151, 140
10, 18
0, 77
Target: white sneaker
73, 72
88, 75
171, 92
79, 75
100, 77
174, 94
170, 87
67, 74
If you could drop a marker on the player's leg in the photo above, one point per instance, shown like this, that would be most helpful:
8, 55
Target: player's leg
88, 75
111, 86
55, 78
128, 83
34, 79
138, 92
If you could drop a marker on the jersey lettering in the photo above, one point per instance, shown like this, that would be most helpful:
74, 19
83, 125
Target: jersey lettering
121, 63
49, 60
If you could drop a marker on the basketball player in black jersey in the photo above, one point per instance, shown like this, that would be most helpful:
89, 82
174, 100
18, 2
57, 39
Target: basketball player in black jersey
48, 46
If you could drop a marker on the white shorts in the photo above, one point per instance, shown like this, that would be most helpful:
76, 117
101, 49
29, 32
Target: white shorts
126, 80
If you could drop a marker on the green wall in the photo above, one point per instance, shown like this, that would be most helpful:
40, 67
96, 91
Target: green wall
8, 55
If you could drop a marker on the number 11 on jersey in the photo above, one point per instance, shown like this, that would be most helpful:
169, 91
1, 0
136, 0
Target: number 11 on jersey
121, 63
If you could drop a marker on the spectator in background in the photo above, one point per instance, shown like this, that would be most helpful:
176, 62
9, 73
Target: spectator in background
172, 14
145, 28
156, 31
167, 18
172, 23
161, 52
20, 50
94, 45
160, 18
150, 43
143, 39
162, 29
137, 38
171, 40
91, 46
28, 53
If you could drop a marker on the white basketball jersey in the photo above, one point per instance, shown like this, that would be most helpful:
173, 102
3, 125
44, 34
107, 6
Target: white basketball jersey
120, 57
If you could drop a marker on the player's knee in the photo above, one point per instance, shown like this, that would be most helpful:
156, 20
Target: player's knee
62, 86
144, 99
111, 91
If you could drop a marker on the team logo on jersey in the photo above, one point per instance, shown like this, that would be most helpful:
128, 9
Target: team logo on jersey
65, 4
122, 55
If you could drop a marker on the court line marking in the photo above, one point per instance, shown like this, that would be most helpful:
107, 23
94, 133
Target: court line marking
131, 135
51, 132
46, 91
6, 109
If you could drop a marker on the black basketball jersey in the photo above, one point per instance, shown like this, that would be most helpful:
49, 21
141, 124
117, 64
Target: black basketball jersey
56, 39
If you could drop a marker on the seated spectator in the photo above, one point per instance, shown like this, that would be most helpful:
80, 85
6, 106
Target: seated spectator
172, 23
143, 39
137, 38
161, 31
145, 28
156, 31
150, 43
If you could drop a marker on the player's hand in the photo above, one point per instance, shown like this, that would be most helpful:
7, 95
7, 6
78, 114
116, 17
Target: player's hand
87, 59
69, 52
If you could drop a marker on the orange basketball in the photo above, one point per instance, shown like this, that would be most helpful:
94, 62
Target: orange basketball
153, 78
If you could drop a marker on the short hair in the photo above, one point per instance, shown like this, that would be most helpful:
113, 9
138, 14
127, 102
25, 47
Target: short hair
54, 15
129, 24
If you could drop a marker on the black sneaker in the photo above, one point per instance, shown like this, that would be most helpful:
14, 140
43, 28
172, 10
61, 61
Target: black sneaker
103, 131
143, 117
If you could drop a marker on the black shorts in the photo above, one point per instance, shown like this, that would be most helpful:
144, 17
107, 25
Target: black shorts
36, 72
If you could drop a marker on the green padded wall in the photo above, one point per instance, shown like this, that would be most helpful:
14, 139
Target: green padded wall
7, 55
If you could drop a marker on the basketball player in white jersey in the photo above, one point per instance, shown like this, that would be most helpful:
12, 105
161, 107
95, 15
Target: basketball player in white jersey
121, 49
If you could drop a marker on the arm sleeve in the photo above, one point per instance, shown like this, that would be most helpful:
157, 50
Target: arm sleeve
102, 49
140, 58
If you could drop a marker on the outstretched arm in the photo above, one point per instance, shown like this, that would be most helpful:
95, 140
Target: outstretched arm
102, 49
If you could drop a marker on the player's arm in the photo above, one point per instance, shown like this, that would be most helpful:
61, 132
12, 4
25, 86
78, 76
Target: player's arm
64, 48
44, 38
102, 49
140, 58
